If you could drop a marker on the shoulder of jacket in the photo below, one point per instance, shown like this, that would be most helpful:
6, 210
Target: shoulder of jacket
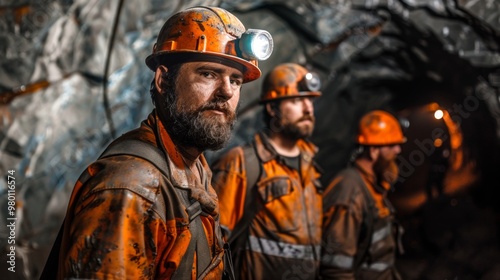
123, 172
232, 160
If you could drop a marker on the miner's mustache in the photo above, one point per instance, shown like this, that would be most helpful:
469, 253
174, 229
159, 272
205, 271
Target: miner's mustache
219, 106
306, 118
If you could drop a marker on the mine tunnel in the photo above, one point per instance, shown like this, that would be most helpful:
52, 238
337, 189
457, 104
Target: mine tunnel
67, 89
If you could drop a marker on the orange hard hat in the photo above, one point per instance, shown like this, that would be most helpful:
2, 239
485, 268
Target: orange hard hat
290, 80
210, 34
379, 128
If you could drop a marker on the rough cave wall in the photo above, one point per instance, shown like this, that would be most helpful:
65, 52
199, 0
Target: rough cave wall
72, 77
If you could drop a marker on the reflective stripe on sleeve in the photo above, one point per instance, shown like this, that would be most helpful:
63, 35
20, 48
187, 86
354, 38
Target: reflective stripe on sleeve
284, 250
376, 266
381, 233
338, 260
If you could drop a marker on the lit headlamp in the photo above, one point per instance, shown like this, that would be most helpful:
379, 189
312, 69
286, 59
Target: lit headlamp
256, 44
310, 82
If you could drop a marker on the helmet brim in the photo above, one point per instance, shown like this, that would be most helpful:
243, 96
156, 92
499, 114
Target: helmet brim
300, 94
381, 144
249, 70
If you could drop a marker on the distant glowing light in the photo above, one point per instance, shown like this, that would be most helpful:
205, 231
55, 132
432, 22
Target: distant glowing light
446, 31
438, 142
438, 114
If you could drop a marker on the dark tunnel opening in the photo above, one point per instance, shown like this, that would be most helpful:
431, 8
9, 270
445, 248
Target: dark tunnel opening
445, 198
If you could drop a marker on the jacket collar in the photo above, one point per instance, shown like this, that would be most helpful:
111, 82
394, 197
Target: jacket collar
266, 151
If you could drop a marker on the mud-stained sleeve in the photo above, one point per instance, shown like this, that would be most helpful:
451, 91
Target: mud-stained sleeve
341, 228
230, 184
113, 235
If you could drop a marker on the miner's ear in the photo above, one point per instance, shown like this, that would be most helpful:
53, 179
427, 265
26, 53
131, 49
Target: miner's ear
159, 76
374, 153
270, 110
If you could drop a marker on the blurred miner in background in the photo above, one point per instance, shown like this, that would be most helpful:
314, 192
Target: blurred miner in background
359, 234
269, 192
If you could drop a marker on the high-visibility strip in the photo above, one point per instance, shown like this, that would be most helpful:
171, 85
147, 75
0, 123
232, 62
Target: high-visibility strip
381, 233
376, 266
284, 250
338, 260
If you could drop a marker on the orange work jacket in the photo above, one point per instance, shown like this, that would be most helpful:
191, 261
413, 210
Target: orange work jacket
126, 220
283, 241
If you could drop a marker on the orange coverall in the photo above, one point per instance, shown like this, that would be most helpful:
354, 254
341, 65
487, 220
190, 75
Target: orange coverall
125, 220
284, 237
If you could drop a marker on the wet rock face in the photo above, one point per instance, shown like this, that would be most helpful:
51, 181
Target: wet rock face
73, 77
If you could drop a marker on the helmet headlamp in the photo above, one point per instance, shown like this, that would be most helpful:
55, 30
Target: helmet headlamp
256, 44
310, 82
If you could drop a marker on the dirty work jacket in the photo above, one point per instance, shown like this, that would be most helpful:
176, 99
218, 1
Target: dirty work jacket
284, 237
125, 220
357, 215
